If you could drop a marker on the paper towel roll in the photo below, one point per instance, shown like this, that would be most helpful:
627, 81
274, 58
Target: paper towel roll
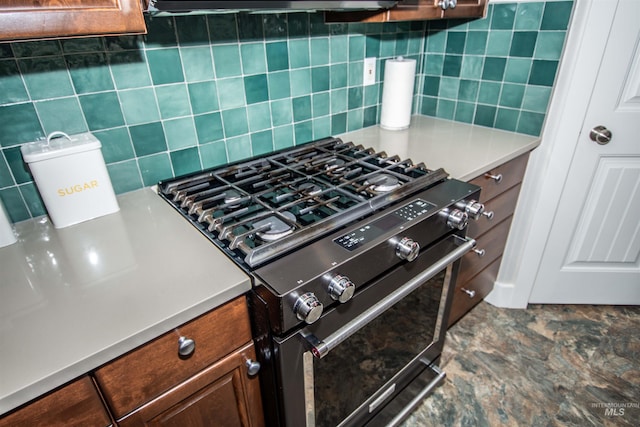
397, 93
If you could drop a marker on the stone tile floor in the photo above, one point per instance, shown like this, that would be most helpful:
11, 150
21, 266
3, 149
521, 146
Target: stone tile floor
549, 365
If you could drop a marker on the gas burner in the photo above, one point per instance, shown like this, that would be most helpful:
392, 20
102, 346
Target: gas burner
274, 227
335, 165
232, 198
382, 183
309, 189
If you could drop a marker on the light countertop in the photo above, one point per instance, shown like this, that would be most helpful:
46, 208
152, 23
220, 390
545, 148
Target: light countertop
74, 298
464, 151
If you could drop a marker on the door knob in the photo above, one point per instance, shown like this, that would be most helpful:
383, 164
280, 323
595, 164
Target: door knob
600, 134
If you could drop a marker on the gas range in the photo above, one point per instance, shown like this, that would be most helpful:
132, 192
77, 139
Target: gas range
336, 237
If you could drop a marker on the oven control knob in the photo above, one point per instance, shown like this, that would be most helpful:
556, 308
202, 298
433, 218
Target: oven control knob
457, 219
474, 209
407, 249
308, 307
341, 288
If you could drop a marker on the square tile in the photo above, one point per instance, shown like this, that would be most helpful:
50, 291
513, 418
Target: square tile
493, 68
249, 27
180, 133
429, 106
300, 81
354, 119
530, 123
129, 69
303, 132
14, 204
277, 56
32, 199
46, 77
155, 168
12, 88
338, 101
61, 114
125, 176
231, 92
253, 58
485, 115
449, 88
489, 93
213, 154
436, 41
321, 127
6, 180
472, 67
197, 63
370, 116
223, 27
281, 112
279, 85
455, 42
192, 30
517, 70
320, 104
543, 73
261, 142
431, 86
476, 43
235, 122
18, 167
549, 45
161, 32
319, 51
523, 44
356, 48
446, 109
208, 127
464, 112
356, 70
468, 90
259, 116
536, 98
529, 15
434, 65
507, 119
338, 123
165, 66
283, 136
275, 25
301, 108
256, 88
298, 24
372, 95
387, 45
203, 96
19, 124
320, 79
556, 15
102, 110
299, 55
139, 106
226, 60
402, 44
511, 95
173, 101
185, 161
239, 148
452, 65
339, 76
498, 43
148, 138
355, 98
372, 46
338, 46
503, 16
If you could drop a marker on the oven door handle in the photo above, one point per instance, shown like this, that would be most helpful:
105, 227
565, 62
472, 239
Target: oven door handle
321, 348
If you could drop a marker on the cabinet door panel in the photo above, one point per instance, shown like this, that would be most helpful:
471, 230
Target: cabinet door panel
512, 173
28, 19
493, 243
221, 395
76, 404
471, 292
143, 374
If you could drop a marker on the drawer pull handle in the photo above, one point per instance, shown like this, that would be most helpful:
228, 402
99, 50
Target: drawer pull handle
496, 178
253, 367
471, 292
186, 346
480, 252
489, 215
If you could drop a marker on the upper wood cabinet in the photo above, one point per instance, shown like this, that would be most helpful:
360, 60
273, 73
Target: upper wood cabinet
414, 10
46, 19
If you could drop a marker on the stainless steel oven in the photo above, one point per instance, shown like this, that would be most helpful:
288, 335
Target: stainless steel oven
353, 255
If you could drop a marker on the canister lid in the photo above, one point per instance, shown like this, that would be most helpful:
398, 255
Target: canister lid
59, 144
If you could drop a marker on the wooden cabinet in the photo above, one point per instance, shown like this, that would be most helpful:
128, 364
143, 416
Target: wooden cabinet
414, 10
208, 385
44, 19
76, 404
500, 189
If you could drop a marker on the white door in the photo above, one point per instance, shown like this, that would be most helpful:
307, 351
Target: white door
592, 255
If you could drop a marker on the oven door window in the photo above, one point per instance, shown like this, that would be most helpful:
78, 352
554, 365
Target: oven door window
366, 364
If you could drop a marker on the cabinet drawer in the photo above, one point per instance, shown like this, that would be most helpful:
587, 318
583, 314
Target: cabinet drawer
512, 173
148, 371
223, 392
502, 207
77, 404
493, 243
470, 293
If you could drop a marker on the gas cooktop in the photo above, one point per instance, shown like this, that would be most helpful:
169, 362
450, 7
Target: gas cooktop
261, 208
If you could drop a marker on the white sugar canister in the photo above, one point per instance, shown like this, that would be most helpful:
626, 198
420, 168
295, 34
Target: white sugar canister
72, 177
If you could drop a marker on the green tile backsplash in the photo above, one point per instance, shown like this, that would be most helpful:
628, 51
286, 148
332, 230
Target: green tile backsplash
203, 90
